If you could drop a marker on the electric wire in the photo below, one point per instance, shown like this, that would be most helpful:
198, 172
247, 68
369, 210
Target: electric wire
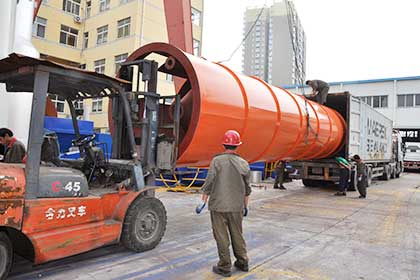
247, 34
301, 71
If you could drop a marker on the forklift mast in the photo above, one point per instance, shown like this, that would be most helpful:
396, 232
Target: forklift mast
146, 139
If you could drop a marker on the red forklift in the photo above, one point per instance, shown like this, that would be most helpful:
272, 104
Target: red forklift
52, 208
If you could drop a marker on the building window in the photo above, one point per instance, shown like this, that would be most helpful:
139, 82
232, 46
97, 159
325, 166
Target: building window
103, 5
408, 100
68, 36
375, 102
367, 100
39, 27
118, 60
97, 105
195, 17
123, 27
82, 66
78, 104
384, 101
100, 66
102, 35
58, 102
72, 6
88, 8
196, 47
401, 100
85, 40
380, 101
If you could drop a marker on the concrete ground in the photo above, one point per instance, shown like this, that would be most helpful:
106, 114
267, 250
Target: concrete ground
300, 233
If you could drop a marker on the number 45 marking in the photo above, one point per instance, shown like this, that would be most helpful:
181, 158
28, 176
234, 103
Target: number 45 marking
72, 187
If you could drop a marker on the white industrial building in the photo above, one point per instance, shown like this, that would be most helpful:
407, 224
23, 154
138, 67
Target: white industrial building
397, 98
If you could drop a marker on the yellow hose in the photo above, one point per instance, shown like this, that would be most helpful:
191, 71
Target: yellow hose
181, 188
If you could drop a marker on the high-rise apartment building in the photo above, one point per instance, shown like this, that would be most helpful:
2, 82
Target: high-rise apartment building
275, 47
98, 35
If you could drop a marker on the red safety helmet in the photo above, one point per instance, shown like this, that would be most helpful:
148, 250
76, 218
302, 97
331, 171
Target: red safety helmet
232, 138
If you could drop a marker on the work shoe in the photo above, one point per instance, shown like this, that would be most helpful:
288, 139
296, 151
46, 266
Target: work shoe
281, 187
362, 196
243, 267
219, 271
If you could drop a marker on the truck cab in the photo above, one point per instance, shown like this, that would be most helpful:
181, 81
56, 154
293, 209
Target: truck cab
412, 156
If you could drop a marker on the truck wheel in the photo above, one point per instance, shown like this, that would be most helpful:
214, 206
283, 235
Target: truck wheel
400, 170
144, 224
387, 173
310, 183
6, 255
368, 177
393, 172
353, 181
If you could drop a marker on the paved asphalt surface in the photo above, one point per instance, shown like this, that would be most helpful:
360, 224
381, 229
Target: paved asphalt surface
300, 233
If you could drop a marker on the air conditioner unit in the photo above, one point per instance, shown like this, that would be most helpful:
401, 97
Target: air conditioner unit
77, 19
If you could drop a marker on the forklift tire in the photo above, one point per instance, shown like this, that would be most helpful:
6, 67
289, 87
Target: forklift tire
6, 255
144, 224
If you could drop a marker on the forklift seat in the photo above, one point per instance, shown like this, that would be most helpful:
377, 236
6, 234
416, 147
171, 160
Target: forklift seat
50, 149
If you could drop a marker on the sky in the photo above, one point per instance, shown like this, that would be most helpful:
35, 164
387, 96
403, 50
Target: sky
346, 39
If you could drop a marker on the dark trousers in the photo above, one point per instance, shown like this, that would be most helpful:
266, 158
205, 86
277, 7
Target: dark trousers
228, 226
344, 179
361, 186
279, 175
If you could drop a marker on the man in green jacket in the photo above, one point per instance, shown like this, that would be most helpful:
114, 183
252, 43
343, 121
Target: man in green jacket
227, 189
361, 176
14, 149
345, 168
280, 174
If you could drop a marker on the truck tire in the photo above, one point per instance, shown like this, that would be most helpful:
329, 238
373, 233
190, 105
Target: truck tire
6, 255
387, 173
393, 172
368, 177
400, 170
144, 224
353, 181
310, 183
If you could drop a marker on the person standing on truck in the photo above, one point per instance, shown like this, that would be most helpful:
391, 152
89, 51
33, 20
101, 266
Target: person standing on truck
280, 175
227, 188
14, 149
319, 91
345, 168
361, 176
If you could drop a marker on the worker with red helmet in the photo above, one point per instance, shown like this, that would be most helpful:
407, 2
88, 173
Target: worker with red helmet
227, 189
